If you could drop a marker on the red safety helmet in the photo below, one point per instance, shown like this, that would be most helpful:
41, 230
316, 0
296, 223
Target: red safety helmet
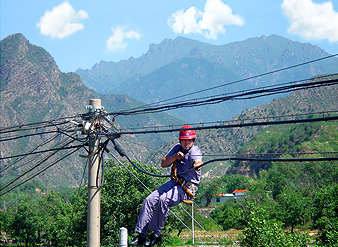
187, 134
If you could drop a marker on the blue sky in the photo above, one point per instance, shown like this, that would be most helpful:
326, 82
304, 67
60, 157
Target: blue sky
80, 33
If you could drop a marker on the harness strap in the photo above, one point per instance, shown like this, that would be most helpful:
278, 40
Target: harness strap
176, 179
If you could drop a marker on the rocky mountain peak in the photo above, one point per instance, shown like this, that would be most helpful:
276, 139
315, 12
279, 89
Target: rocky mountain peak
22, 42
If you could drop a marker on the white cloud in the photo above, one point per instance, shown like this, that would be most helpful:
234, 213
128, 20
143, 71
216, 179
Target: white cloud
117, 41
209, 22
62, 21
311, 20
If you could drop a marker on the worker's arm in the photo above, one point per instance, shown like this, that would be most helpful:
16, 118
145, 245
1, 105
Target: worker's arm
167, 161
198, 163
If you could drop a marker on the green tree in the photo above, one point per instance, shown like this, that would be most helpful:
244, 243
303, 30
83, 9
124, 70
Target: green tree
236, 182
122, 196
228, 215
26, 223
293, 208
58, 219
208, 191
51, 218
78, 227
281, 175
261, 230
326, 215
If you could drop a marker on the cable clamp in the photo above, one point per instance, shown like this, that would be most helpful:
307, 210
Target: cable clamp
113, 135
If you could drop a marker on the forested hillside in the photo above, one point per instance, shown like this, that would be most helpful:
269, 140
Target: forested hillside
216, 143
284, 141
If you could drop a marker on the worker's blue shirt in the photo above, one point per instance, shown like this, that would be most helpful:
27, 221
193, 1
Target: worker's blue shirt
187, 162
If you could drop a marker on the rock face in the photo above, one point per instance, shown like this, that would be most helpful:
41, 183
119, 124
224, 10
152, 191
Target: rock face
32, 90
32, 82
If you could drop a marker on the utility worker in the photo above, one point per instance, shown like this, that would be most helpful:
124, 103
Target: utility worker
155, 210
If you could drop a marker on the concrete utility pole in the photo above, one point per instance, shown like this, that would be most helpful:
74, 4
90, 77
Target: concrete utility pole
94, 195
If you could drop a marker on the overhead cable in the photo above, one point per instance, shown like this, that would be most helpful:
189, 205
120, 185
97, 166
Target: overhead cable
34, 167
28, 135
120, 150
34, 150
30, 151
40, 152
36, 125
245, 94
18, 127
31, 126
29, 161
38, 173
239, 120
241, 80
240, 124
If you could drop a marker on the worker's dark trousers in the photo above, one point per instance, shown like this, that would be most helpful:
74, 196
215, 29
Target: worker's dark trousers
155, 208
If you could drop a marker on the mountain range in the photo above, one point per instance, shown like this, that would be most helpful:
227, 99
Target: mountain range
33, 89
181, 69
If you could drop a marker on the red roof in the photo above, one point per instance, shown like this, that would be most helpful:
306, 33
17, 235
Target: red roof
237, 191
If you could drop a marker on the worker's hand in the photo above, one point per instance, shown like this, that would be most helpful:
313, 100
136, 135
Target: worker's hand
179, 155
198, 163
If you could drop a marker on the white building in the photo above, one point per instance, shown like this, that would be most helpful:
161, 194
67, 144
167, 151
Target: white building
223, 197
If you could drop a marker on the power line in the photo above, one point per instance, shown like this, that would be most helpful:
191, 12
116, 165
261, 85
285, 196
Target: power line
41, 132
28, 135
36, 125
34, 150
245, 94
51, 122
270, 154
226, 122
241, 80
31, 126
236, 125
38, 173
35, 166
30, 151
40, 152
120, 150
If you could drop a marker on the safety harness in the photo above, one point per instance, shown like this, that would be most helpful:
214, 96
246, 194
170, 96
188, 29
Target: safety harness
183, 183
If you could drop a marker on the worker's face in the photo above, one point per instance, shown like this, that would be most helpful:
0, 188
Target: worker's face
186, 144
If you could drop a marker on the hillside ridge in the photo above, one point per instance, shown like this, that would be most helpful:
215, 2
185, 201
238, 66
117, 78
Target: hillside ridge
193, 66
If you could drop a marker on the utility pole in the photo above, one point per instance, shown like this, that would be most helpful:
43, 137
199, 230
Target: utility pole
94, 194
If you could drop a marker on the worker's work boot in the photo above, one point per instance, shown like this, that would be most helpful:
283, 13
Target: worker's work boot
154, 239
139, 240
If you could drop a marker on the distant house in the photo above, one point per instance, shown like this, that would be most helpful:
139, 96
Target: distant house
239, 193
223, 197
